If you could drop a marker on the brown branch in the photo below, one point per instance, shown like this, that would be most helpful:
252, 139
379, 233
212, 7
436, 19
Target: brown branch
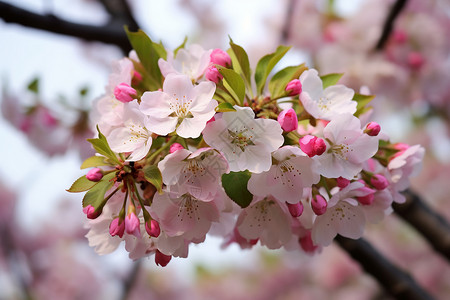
108, 34
285, 31
130, 281
434, 228
120, 12
389, 23
395, 281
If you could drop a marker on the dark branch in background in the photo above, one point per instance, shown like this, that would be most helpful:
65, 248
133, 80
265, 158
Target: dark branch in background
395, 281
285, 31
108, 34
434, 228
121, 13
130, 280
389, 23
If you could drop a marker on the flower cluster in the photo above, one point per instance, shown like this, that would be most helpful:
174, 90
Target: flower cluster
190, 142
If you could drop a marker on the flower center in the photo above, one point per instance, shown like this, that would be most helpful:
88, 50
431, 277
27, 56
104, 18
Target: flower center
188, 207
138, 133
240, 138
180, 107
340, 151
324, 103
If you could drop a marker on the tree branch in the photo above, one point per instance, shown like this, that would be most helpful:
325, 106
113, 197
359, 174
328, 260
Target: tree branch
285, 30
395, 281
120, 12
108, 34
434, 228
130, 281
389, 23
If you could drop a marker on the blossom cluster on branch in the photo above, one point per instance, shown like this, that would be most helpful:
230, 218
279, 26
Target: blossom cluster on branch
192, 142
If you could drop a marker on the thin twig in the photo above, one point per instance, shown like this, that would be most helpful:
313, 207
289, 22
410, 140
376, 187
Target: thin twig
129, 282
114, 35
389, 24
120, 12
285, 31
434, 228
395, 281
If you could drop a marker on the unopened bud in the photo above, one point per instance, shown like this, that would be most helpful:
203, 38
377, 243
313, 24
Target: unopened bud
307, 243
312, 145
372, 129
369, 196
288, 120
117, 227
342, 182
400, 36
415, 60
124, 93
162, 259
379, 182
90, 212
137, 78
174, 147
319, 205
95, 174
294, 87
212, 74
220, 57
153, 228
132, 224
296, 209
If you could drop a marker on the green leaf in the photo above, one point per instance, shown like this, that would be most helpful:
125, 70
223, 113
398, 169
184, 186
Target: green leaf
233, 83
82, 184
277, 84
149, 53
33, 86
239, 59
363, 101
180, 47
224, 107
96, 194
153, 175
265, 66
330, 79
94, 161
235, 185
100, 145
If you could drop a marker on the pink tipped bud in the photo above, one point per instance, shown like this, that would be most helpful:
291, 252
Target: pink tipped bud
401, 146
288, 120
137, 78
212, 74
294, 87
415, 60
220, 57
162, 259
152, 229
90, 212
124, 93
372, 129
49, 120
400, 36
296, 209
174, 147
379, 182
132, 224
307, 243
342, 182
95, 174
117, 227
368, 197
319, 205
312, 145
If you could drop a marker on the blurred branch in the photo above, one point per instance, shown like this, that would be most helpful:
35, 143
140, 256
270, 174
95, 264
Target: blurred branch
431, 225
285, 30
389, 23
108, 34
130, 280
120, 12
395, 281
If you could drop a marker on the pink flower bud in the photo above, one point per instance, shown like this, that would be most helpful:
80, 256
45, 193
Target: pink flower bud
95, 174
368, 198
90, 212
372, 129
415, 60
288, 120
401, 146
132, 224
399, 36
294, 87
124, 93
296, 209
152, 229
312, 145
48, 120
342, 182
137, 78
117, 227
212, 74
379, 182
220, 57
174, 147
307, 243
319, 205
162, 259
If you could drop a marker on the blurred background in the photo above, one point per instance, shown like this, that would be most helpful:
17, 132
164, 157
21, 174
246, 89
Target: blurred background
48, 82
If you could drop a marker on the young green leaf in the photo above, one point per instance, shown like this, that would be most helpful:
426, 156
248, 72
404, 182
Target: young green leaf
239, 59
33, 86
96, 194
235, 185
265, 66
82, 184
180, 47
234, 83
153, 175
100, 145
224, 107
330, 79
363, 101
279, 81
94, 161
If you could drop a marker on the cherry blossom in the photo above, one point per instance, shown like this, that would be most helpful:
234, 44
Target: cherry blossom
246, 142
179, 106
